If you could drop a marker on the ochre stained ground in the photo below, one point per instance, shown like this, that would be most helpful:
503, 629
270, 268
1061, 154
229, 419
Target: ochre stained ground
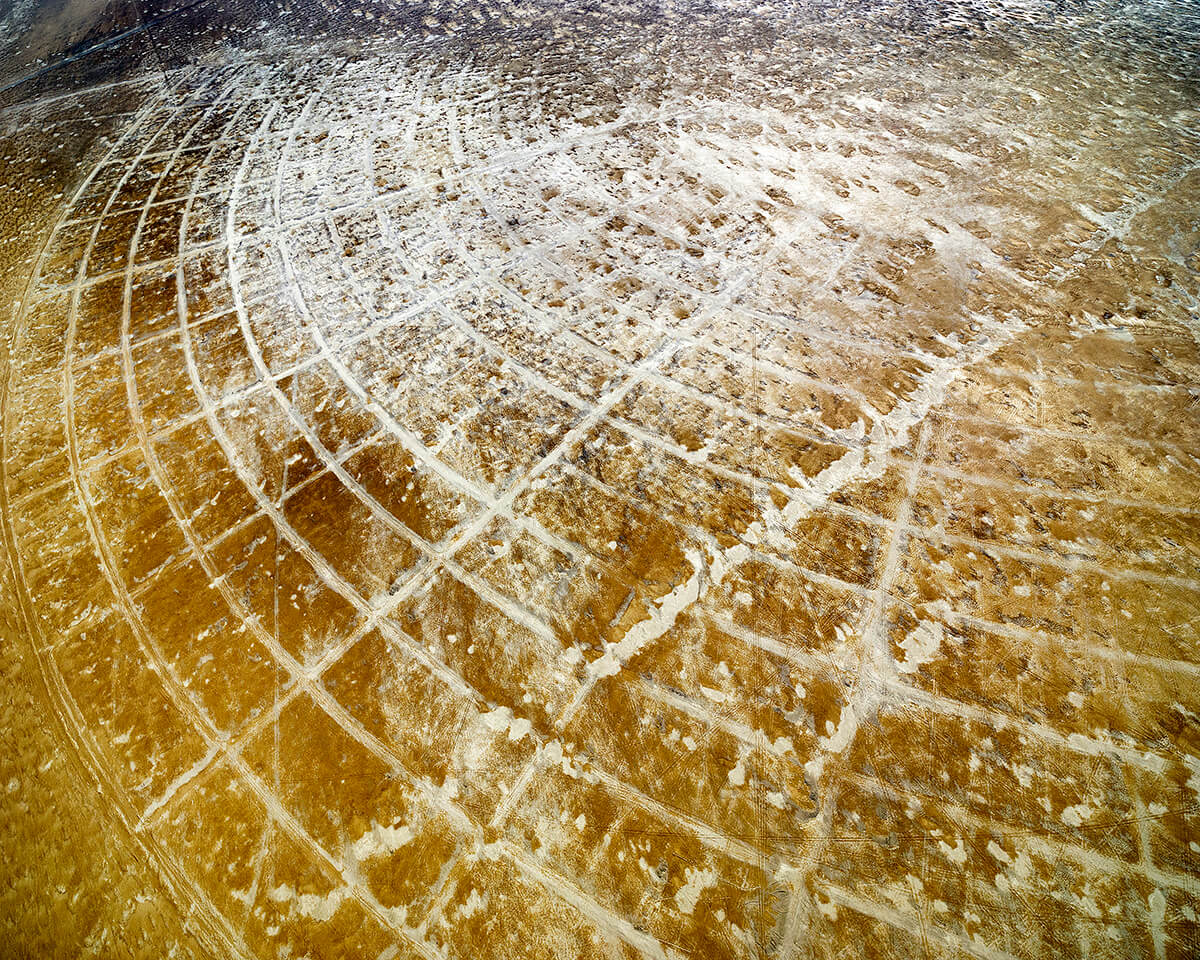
718, 483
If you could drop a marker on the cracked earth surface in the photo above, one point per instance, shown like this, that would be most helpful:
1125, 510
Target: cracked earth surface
616, 498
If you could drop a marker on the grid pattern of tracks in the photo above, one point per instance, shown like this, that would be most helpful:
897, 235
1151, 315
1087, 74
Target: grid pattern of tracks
687, 523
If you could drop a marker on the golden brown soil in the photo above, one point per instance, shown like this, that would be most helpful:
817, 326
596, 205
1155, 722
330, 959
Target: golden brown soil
636, 493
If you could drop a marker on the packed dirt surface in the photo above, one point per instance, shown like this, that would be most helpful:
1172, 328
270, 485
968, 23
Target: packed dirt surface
579, 481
